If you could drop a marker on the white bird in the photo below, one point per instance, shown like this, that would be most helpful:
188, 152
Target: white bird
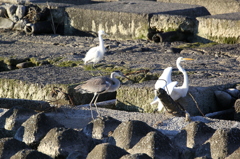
95, 54
100, 85
166, 83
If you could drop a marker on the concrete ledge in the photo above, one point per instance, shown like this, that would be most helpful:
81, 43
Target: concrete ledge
127, 20
223, 28
17, 89
138, 97
214, 7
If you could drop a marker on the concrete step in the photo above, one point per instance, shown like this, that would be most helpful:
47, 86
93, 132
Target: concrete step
222, 28
143, 19
131, 20
138, 97
214, 7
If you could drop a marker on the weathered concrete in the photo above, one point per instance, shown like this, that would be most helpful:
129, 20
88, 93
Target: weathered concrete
59, 142
223, 28
26, 90
6, 23
138, 19
214, 7
138, 97
9, 103
14, 118
125, 20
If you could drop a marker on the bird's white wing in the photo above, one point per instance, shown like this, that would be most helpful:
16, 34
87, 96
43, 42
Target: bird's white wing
91, 55
164, 79
170, 87
178, 92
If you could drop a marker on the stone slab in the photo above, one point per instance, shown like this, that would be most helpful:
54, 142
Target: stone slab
6, 23
125, 20
214, 7
223, 28
138, 97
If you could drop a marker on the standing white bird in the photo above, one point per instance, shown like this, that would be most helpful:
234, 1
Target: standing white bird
95, 54
100, 85
166, 83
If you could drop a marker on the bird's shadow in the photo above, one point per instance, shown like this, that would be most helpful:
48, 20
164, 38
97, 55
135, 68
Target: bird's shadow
127, 106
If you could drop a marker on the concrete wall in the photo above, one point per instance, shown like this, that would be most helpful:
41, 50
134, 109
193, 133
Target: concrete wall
118, 25
214, 7
222, 28
130, 20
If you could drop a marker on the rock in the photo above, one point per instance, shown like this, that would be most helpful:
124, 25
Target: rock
127, 134
29, 153
171, 106
24, 65
136, 156
238, 85
11, 10
158, 146
60, 142
237, 110
101, 127
30, 104
15, 61
3, 66
35, 128
6, 133
20, 25
234, 155
194, 134
225, 100
75, 155
14, 117
106, 151
233, 92
21, 11
3, 12
224, 142
10, 146
6, 23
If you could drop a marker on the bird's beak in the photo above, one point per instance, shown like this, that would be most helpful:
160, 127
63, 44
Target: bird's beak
187, 59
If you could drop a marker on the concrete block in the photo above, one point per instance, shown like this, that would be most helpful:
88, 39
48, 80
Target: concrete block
222, 28
126, 20
166, 22
118, 25
214, 7
138, 97
6, 23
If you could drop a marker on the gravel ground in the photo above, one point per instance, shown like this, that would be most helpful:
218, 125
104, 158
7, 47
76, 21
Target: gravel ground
214, 65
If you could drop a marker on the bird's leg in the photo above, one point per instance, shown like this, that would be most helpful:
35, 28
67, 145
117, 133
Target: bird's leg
92, 69
90, 105
97, 69
95, 103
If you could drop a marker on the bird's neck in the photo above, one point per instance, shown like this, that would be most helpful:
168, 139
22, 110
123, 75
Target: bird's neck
101, 43
116, 83
185, 76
